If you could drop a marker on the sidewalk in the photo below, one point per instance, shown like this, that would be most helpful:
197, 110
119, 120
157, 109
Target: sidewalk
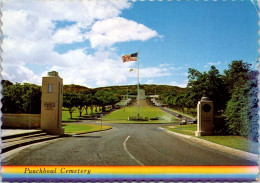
235, 152
15, 138
11, 132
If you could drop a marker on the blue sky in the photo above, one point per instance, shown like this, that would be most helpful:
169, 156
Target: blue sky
84, 41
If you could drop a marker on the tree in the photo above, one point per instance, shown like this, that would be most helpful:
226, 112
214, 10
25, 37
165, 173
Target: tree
106, 98
21, 98
216, 90
12, 102
168, 98
208, 84
236, 111
236, 75
31, 98
82, 101
6, 83
87, 102
70, 100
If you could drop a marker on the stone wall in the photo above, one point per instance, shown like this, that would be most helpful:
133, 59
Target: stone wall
21, 121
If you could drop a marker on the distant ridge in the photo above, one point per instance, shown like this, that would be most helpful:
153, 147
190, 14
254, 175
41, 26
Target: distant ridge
76, 88
150, 89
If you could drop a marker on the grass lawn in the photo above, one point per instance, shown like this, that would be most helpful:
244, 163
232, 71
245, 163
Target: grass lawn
236, 142
121, 115
66, 116
183, 129
82, 128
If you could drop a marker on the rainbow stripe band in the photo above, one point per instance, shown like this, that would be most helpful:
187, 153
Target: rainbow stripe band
129, 173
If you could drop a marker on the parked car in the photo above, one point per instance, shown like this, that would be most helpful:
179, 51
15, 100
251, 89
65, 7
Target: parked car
192, 121
179, 115
183, 122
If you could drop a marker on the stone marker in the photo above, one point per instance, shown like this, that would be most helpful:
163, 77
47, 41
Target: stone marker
204, 117
51, 105
141, 94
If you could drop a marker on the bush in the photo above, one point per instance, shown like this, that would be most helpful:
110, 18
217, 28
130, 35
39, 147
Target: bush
242, 110
220, 125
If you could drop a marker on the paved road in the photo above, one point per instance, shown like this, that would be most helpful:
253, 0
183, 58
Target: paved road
175, 113
125, 144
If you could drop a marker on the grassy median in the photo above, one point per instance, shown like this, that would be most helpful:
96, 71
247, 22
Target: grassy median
121, 115
236, 142
82, 128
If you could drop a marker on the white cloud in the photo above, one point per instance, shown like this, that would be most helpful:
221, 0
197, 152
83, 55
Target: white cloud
21, 75
79, 11
81, 68
25, 25
30, 36
150, 81
151, 72
164, 65
176, 68
68, 35
110, 31
212, 63
182, 84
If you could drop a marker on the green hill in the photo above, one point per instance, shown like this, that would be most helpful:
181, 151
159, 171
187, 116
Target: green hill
150, 89
76, 88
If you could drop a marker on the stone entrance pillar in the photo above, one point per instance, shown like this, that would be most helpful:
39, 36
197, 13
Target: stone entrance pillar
51, 105
204, 117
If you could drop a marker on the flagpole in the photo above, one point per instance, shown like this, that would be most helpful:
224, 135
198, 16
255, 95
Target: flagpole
138, 84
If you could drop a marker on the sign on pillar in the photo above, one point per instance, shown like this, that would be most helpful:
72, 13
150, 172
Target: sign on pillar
204, 117
51, 104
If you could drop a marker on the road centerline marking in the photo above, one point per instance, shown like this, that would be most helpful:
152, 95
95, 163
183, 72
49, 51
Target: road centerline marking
129, 154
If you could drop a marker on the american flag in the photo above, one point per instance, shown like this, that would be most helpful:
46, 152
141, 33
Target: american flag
129, 58
132, 70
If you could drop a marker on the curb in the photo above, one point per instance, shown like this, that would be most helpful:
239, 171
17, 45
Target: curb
235, 152
89, 132
144, 123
